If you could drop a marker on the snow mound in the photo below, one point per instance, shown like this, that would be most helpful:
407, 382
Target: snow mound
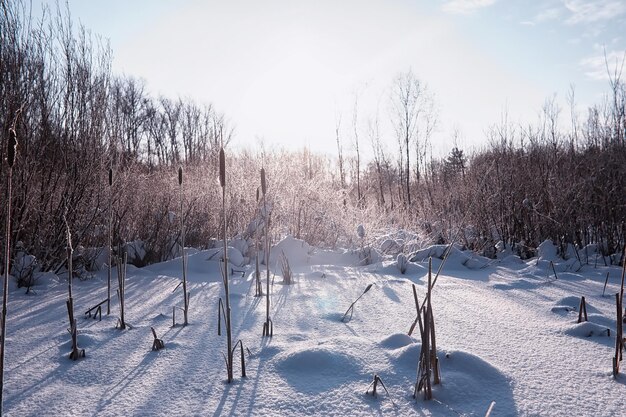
547, 251
474, 380
407, 356
456, 259
299, 254
572, 303
587, 329
512, 260
316, 369
297, 251
234, 256
46, 279
396, 341
316, 361
202, 266
241, 245
390, 247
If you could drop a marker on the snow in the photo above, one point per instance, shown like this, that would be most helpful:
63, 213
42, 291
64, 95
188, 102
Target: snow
547, 251
506, 332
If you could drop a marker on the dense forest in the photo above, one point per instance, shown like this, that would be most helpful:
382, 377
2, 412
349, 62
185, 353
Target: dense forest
75, 119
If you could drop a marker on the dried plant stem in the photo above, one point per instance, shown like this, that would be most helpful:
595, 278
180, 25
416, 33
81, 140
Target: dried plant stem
7, 252
268, 326
619, 339
229, 340
350, 309
110, 247
121, 292
76, 352
257, 271
428, 363
582, 310
182, 244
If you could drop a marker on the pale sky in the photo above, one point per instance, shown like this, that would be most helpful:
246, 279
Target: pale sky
284, 69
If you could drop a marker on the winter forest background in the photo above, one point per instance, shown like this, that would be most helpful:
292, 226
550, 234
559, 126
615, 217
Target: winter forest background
75, 119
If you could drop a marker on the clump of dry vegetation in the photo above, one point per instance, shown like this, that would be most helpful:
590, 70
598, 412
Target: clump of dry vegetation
78, 120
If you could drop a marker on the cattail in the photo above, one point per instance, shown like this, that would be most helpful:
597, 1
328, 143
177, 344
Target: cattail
263, 183
12, 148
110, 177
257, 194
180, 175
222, 168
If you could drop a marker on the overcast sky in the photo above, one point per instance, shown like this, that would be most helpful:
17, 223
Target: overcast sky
284, 70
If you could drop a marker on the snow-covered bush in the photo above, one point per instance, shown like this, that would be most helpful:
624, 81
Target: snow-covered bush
402, 262
24, 269
360, 231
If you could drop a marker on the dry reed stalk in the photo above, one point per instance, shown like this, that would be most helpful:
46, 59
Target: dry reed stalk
110, 248
619, 337
582, 310
121, 292
351, 308
182, 244
11, 154
429, 363
257, 270
76, 353
157, 344
268, 326
229, 340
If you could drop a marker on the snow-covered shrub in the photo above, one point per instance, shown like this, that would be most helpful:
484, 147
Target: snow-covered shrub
547, 251
234, 256
136, 252
402, 262
24, 268
490, 251
390, 247
285, 269
360, 231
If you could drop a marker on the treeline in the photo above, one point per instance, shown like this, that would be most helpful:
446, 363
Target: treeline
75, 119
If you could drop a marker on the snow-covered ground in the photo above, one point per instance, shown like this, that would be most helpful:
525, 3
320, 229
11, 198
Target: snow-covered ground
506, 332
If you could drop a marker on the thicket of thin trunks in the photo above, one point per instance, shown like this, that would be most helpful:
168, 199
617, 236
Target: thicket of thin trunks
75, 119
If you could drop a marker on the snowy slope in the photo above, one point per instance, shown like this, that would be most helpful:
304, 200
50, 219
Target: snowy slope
506, 332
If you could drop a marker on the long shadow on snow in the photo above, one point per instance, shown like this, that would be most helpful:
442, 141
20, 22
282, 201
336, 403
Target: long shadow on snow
126, 382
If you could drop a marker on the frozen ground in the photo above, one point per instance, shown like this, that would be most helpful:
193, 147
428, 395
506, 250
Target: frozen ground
506, 332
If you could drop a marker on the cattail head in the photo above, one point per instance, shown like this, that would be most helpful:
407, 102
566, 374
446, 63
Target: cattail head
263, 183
180, 175
110, 177
12, 148
222, 168
367, 289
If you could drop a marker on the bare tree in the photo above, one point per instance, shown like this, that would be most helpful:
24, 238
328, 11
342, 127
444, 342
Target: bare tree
412, 107
355, 131
342, 176
373, 130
